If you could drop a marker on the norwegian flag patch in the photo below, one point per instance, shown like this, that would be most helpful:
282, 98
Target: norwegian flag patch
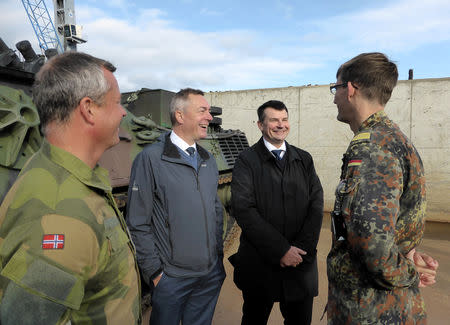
53, 241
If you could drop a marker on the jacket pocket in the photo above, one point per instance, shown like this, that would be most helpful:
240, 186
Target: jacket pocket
40, 277
347, 194
188, 245
116, 236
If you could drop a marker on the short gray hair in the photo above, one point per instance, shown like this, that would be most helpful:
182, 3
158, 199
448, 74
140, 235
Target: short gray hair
64, 81
180, 99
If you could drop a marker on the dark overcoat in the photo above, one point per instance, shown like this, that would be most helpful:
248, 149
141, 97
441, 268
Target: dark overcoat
270, 227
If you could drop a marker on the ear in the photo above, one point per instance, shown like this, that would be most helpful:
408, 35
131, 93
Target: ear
179, 116
260, 125
87, 109
351, 90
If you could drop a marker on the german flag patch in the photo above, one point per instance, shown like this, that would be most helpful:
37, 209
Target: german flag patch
354, 162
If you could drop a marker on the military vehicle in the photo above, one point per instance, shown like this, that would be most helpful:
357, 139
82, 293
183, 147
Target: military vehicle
147, 119
19, 121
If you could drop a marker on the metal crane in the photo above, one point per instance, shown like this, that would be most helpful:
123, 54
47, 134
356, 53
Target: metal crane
65, 36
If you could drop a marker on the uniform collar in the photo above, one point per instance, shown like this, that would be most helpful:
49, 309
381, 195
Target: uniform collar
373, 119
95, 177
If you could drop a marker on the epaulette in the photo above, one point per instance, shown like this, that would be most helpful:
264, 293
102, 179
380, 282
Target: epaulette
361, 137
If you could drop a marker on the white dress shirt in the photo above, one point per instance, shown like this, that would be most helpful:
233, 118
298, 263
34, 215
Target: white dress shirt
271, 147
180, 143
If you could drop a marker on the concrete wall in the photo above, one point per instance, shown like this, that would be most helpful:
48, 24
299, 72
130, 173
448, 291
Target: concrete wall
420, 107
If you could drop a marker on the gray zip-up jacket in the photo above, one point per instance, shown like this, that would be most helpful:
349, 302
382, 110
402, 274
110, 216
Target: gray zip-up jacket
173, 212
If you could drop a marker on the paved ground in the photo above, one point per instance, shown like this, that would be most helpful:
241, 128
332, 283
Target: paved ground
436, 243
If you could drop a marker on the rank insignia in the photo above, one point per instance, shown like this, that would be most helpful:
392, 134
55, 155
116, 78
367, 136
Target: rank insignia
361, 136
53, 241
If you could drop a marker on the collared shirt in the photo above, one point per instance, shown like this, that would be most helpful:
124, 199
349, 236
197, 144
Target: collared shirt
180, 143
271, 147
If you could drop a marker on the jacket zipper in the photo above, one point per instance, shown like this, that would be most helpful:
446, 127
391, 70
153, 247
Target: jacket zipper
205, 216
170, 237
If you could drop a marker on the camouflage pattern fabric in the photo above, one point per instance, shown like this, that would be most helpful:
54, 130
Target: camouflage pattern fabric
380, 208
7, 178
65, 252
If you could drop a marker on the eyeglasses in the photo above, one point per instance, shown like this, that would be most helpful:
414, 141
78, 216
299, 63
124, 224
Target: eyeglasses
334, 88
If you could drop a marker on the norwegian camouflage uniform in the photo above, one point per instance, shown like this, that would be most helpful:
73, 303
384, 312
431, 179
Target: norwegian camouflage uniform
88, 276
378, 219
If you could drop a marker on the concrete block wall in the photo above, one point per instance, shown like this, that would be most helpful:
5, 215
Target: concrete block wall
420, 107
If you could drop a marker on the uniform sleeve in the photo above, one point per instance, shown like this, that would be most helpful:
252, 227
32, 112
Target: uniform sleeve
46, 263
370, 213
308, 237
139, 216
270, 244
21, 307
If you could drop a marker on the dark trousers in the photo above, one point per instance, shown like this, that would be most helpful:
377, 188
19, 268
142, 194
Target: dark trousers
189, 300
256, 310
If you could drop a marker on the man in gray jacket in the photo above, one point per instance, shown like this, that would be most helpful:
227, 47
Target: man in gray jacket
175, 217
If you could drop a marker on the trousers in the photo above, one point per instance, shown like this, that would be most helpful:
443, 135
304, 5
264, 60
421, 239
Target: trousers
256, 310
189, 300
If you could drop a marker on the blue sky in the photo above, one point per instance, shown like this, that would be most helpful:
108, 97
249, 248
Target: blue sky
233, 45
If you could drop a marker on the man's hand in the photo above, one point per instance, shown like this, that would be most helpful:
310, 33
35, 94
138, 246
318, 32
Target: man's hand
156, 280
293, 257
426, 266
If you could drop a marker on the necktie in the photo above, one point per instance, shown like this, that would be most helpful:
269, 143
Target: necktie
191, 151
277, 153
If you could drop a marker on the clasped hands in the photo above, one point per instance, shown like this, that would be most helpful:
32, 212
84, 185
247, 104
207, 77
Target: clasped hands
293, 257
425, 265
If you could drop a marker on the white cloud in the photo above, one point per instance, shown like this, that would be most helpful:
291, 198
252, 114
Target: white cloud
118, 3
150, 52
15, 25
398, 27
88, 13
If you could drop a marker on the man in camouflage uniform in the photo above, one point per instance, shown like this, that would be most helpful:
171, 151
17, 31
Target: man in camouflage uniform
378, 218
65, 252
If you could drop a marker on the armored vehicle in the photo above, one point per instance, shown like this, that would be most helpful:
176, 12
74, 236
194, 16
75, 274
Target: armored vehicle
147, 119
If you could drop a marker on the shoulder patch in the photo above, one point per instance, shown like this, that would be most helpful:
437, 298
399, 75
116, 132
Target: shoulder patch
53, 241
361, 136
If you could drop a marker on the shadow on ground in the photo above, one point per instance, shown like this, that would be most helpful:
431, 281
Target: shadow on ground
436, 243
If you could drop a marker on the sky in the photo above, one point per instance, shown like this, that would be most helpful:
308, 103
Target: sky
236, 45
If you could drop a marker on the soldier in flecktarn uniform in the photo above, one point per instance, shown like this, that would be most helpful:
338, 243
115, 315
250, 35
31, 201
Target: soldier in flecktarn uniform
65, 253
374, 270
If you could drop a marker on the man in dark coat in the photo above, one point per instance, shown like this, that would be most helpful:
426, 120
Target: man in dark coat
277, 201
